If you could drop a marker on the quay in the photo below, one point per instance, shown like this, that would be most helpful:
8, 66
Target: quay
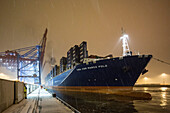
38, 101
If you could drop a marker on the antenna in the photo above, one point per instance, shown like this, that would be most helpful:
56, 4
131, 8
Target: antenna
124, 38
123, 31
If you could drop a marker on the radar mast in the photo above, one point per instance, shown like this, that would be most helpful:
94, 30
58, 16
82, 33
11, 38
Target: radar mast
124, 38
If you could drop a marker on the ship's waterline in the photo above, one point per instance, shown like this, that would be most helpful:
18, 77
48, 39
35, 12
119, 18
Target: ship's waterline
95, 89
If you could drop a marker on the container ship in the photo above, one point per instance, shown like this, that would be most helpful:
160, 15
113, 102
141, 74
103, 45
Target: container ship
80, 72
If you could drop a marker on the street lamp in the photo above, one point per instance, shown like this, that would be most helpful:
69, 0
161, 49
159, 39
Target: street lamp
145, 78
163, 76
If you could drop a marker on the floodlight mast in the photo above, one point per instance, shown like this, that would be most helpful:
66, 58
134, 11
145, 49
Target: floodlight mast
124, 38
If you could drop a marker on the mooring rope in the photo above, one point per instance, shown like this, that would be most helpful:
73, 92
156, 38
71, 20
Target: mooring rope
161, 61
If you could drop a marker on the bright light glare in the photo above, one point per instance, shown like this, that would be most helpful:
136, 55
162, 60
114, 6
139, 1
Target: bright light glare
125, 45
163, 99
3, 76
43, 93
163, 95
145, 78
125, 36
145, 88
163, 74
164, 88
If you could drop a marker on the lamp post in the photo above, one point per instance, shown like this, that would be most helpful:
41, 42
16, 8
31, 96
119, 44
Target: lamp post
163, 77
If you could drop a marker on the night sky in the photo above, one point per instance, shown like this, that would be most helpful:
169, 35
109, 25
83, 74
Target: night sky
99, 22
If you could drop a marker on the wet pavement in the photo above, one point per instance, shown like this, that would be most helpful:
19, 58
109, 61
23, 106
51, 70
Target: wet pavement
39, 101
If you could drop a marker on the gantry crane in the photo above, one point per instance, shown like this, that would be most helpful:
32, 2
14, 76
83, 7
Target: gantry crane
26, 61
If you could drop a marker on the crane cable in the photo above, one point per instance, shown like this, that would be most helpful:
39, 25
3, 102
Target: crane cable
161, 61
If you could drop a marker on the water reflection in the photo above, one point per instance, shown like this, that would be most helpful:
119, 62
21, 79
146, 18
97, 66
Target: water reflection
108, 103
97, 103
145, 89
163, 88
163, 97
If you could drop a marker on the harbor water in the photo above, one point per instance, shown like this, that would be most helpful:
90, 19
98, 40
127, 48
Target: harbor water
109, 103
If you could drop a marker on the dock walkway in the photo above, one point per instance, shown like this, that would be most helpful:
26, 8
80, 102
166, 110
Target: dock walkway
39, 101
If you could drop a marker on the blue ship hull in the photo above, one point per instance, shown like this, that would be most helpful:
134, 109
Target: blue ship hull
115, 72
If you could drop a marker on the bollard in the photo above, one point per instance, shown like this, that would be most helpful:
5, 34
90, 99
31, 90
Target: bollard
54, 95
